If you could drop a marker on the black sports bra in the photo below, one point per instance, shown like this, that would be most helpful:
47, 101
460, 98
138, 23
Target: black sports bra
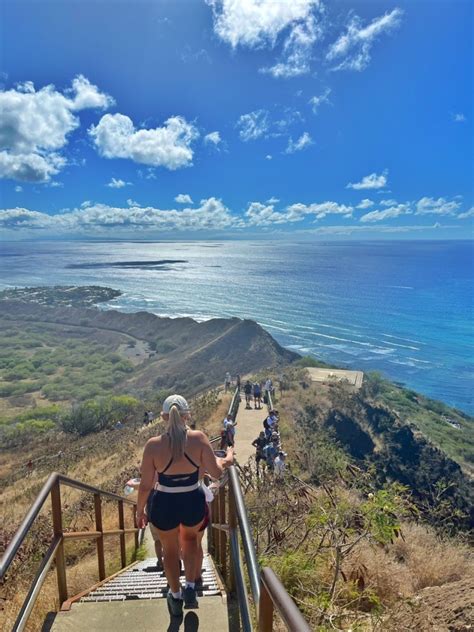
179, 480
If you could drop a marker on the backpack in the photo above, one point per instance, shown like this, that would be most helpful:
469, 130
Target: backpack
265, 424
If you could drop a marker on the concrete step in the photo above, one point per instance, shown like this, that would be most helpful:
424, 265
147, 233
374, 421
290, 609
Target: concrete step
136, 600
142, 616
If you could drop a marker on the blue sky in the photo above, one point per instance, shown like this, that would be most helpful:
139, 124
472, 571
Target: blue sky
195, 119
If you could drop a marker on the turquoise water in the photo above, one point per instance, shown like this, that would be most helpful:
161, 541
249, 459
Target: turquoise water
404, 308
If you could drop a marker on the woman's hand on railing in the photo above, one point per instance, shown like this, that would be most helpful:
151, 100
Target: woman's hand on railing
142, 519
229, 457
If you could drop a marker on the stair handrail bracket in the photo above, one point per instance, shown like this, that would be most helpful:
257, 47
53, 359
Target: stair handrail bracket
52, 488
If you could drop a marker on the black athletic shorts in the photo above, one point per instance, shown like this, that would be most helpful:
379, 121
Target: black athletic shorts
167, 511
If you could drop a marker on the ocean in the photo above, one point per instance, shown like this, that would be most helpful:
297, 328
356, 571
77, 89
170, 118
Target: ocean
402, 308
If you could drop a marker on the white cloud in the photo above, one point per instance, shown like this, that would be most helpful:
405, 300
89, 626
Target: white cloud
389, 213
183, 198
260, 23
256, 23
349, 230
365, 203
373, 181
351, 51
86, 95
18, 189
317, 101
130, 202
268, 157
320, 210
31, 167
459, 118
302, 142
390, 202
467, 214
210, 215
265, 214
34, 126
253, 125
296, 53
441, 206
214, 138
115, 136
259, 214
118, 184
273, 200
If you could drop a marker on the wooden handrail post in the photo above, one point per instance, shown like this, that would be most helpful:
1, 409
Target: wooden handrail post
217, 548
100, 541
123, 549
232, 527
223, 535
58, 531
265, 610
137, 539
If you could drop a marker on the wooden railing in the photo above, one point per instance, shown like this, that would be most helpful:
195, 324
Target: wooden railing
55, 552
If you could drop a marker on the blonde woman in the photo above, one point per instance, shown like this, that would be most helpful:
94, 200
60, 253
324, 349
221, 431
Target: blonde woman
176, 507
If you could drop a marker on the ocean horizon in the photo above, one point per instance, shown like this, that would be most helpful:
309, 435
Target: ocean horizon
404, 308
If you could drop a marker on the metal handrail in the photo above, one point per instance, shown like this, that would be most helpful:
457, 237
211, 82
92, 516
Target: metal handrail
274, 594
247, 540
56, 548
36, 507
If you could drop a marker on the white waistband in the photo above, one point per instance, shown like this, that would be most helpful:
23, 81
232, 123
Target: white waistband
176, 490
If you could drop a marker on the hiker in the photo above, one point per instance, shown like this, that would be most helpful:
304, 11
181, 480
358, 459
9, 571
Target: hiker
176, 505
271, 450
248, 394
237, 382
280, 464
259, 443
272, 421
227, 382
268, 388
229, 430
146, 421
257, 394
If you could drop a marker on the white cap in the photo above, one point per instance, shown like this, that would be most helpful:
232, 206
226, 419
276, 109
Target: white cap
179, 401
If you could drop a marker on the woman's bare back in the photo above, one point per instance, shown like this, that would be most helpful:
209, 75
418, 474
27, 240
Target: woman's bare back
161, 451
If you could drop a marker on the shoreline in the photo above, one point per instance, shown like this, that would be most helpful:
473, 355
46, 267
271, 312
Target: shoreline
102, 298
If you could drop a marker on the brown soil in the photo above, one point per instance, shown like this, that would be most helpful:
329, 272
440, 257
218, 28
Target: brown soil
448, 608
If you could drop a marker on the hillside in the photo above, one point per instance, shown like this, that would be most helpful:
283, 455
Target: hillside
47, 350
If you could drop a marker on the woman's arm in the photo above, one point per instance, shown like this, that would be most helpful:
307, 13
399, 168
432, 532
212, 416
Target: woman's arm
146, 484
215, 466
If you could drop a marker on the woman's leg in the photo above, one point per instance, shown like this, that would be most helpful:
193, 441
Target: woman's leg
170, 543
159, 553
200, 556
189, 543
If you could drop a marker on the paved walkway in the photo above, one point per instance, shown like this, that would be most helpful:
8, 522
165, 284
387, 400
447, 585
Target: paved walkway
249, 424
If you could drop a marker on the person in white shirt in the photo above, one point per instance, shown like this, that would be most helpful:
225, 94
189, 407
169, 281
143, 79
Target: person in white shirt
280, 464
227, 381
229, 430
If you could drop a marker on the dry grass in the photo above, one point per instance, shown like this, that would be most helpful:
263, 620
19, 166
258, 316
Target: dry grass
418, 561
105, 460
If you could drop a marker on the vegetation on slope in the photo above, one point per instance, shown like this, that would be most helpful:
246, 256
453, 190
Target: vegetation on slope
353, 536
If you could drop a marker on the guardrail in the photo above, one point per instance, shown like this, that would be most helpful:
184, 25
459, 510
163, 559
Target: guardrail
55, 552
230, 527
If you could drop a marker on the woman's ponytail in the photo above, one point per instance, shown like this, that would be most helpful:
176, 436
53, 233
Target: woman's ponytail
177, 433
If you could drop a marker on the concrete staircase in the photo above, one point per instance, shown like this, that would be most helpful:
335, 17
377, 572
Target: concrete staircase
136, 600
